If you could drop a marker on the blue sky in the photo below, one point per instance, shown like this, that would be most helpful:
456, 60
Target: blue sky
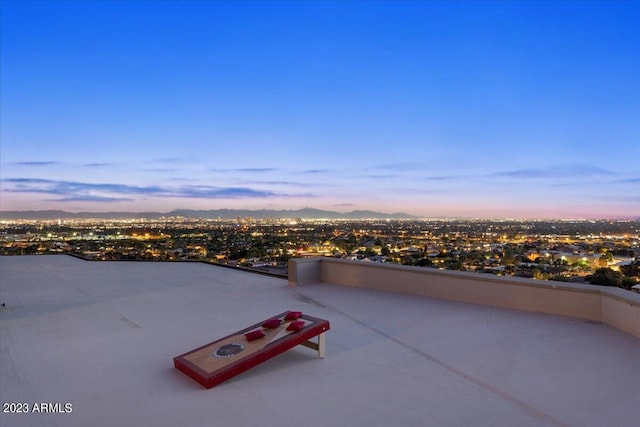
453, 108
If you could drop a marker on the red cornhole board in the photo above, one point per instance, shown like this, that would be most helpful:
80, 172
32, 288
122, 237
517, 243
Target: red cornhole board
225, 358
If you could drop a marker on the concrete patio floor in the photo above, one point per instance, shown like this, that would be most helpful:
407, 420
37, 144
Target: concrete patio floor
101, 336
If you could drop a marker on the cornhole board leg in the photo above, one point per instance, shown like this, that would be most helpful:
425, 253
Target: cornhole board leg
320, 346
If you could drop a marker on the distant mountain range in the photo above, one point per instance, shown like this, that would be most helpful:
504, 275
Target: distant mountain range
305, 213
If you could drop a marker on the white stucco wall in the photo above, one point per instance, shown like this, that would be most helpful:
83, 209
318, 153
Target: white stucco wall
616, 307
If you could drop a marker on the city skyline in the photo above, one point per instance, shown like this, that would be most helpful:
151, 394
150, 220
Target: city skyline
466, 109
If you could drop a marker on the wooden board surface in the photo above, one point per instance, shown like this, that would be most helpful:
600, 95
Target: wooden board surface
205, 365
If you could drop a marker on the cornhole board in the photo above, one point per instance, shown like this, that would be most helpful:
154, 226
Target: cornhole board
227, 357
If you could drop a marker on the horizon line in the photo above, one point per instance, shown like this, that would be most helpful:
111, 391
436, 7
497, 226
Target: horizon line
409, 216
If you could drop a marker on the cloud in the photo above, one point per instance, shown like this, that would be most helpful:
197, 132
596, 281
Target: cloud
28, 180
212, 192
266, 170
316, 171
381, 176
56, 163
288, 183
162, 170
73, 188
209, 192
443, 178
37, 164
628, 181
111, 192
97, 165
260, 170
103, 199
165, 160
273, 182
399, 166
245, 170
389, 176
559, 171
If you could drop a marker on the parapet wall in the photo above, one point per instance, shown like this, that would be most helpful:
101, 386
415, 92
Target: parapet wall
613, 306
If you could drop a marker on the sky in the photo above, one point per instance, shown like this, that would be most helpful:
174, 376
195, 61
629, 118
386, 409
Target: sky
432, 108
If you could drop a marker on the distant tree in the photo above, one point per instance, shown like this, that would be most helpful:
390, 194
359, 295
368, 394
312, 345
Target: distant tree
509, 259
285, 257
537, 274
631, 270
407, 260
30, 250
560, 261
606, 277
453, 265
605, 259
627, 282
254, 252
368, 252
425, 262
623, 252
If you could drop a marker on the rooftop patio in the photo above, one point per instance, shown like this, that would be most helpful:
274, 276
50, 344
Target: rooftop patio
102, 337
